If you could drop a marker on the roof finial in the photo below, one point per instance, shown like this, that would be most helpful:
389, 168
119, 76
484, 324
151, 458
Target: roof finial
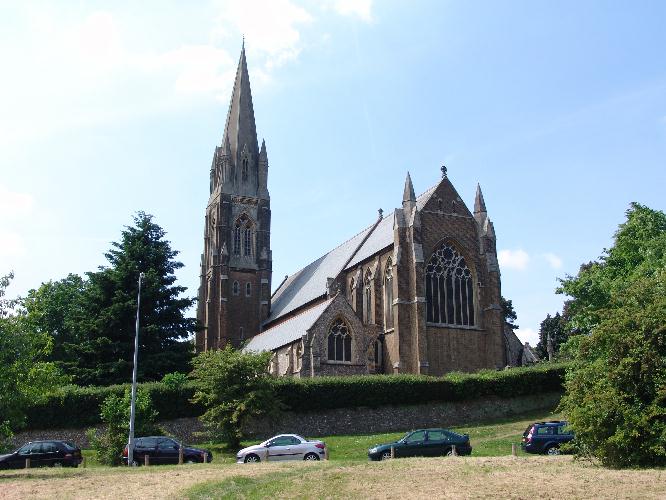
243, 47
443, 169
381, 213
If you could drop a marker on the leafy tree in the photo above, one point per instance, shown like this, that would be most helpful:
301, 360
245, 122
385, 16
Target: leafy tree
233, 386
509, 313
639, 250
58, 309
553, 326
115, 413
616, 389
24, 375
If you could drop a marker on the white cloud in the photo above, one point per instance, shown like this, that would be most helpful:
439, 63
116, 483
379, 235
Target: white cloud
514, 259
528, 335
271, 29
356, 8
554, 260
11, 245
14, 204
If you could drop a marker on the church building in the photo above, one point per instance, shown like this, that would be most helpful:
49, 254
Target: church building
415, 291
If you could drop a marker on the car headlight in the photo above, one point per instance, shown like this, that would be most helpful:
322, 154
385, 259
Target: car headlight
372, 450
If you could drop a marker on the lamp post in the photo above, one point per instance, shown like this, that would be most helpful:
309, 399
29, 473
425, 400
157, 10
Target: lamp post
130, 442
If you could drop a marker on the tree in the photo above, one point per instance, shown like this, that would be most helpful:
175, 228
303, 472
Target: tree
639, 250
92, 320
509, 313
616, 387
24, 375
115, 413
233, 386
553, 326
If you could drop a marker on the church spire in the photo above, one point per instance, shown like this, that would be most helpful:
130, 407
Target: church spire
240, 130
479, 203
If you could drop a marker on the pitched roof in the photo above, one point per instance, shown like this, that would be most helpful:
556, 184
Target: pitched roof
288, 331
309, 283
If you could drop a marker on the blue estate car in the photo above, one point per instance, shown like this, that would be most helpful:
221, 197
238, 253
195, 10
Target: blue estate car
546, 437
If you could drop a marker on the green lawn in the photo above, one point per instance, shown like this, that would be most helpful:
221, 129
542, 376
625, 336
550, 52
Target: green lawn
489, 439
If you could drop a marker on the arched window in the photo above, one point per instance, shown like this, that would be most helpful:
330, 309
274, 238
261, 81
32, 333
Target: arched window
367, 298
247, 239
449, 288
388, 296
248, 289
241, 334
352, 293
339, 342
245, 228
235, 288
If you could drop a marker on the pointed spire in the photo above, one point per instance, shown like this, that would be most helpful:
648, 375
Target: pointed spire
240, 129
408, 195
263, 156
479, 203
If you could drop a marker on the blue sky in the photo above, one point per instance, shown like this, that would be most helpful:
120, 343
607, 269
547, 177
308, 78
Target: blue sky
558, 110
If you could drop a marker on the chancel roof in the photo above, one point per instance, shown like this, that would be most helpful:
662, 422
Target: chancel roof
287, 331
310, 282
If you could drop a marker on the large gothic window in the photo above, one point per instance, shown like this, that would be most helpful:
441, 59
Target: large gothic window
367, 298
388, 296
245, 168
243, 236
339, 342
449, 288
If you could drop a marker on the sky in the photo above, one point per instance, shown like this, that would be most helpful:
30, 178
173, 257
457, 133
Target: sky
558, 110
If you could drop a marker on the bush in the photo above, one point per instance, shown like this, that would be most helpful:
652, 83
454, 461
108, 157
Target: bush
115, 413
175, 380
80, 406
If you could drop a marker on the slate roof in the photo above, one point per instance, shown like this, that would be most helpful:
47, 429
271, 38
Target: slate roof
288, 331
309, 283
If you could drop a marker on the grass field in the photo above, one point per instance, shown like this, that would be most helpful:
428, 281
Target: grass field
490, 473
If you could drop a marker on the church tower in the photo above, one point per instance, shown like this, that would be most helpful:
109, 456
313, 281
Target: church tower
236, 264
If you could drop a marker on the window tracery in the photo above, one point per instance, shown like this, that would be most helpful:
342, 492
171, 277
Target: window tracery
339, 342
243, 236
449, 288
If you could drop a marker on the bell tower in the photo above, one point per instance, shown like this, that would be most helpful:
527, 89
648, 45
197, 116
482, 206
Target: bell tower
236, 264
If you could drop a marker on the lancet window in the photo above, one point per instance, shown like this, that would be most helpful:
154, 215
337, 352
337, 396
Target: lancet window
367, 297
388, 296
449, 288
243, 236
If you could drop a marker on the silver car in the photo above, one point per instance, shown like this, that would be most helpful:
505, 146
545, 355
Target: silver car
283, 447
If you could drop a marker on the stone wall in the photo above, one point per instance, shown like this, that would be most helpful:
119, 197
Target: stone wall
346, 420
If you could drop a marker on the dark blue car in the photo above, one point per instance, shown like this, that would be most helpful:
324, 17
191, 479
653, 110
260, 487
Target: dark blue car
546, 437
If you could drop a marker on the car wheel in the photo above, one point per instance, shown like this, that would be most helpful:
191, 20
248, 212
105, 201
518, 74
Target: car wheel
57, 464
311, 456
449, 452
190, 460
252, 458
386, 455
553, 450
135, 463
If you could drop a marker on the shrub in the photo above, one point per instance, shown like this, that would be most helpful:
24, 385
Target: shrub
175, 380
115, 413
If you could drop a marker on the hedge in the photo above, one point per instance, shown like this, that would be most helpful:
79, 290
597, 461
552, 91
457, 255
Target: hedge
79, 406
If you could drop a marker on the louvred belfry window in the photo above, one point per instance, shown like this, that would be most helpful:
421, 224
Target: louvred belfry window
449, 289
339, 342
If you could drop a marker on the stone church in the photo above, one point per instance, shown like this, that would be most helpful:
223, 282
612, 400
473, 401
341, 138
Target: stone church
416, 291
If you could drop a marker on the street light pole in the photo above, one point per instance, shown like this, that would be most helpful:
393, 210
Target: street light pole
130, 442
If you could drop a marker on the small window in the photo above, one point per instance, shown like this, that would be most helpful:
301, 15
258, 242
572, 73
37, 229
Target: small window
236, 288
242, 333
248, 289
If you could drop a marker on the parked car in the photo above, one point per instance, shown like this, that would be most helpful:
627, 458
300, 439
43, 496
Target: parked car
283, 447
43, 454
546, 437
164, 450
423, 443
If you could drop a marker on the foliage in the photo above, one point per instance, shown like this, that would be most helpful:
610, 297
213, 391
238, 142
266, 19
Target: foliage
616, 388
233, 386
115, 413
175, 380
555, 327
92, 320
24, 375
74, 406
639, 250
509, 313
